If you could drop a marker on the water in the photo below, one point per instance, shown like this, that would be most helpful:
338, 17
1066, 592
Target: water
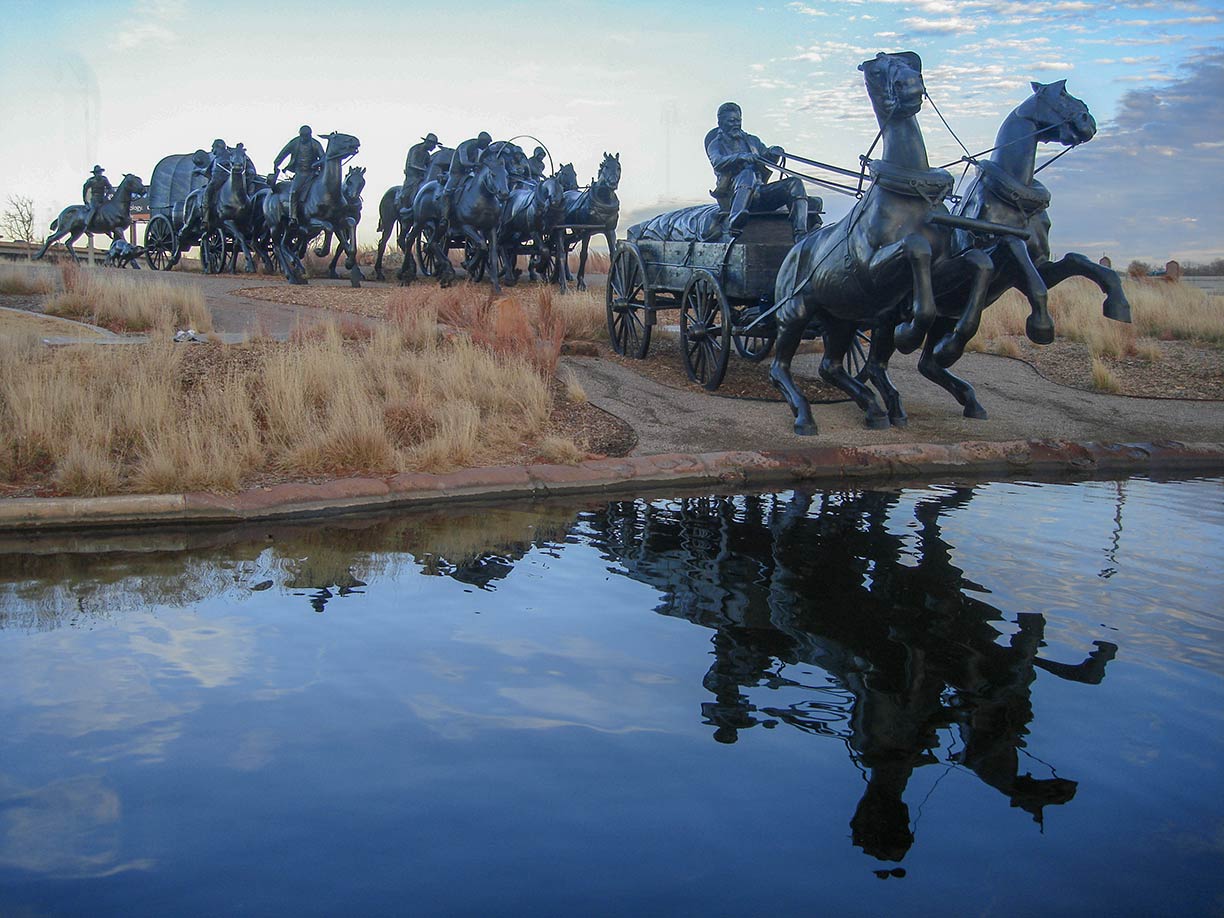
1003, 699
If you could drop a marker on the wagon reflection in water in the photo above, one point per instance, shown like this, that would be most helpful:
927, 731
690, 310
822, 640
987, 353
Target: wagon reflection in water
797, 581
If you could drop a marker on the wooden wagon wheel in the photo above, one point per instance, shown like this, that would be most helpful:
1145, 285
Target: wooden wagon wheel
756, 343
856, 357
705, 330
424, 252
159, 244
626, 298
214, 248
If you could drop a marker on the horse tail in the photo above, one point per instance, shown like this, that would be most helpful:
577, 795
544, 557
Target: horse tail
55, 224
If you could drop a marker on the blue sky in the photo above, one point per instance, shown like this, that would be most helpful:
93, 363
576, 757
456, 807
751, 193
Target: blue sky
125, 83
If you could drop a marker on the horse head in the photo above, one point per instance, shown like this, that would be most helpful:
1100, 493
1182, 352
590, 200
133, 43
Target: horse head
567, 177
133, 183
1058, 116
494, 178
354, 182
609, 171
341, 146
894, 83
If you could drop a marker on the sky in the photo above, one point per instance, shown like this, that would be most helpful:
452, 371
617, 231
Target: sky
123, 83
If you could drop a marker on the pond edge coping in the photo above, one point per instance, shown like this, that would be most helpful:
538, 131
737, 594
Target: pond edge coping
735, 469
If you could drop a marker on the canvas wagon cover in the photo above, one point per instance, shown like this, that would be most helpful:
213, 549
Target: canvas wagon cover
171, 182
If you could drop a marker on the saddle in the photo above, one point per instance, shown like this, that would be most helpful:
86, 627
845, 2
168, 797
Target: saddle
932, 185
1028, 199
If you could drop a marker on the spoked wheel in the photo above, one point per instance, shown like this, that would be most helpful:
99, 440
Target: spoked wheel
214, 250
475, 261
424, 253
856, 357
627, 299
159, 244
756, 343
705, 330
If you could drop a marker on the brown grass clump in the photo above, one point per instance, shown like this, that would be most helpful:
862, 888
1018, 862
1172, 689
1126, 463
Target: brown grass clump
1162, 310
1006, 347
597, 262
25, 281
572, 385
158, 418
1103, 379
128, 302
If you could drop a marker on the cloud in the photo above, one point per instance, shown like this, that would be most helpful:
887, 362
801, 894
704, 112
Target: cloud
950, 25
1146, 177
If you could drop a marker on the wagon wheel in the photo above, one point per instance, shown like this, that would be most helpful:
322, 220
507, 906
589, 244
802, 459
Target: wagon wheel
159, 244
856, 357
214, 249
424, 253
756, 344
627, 298
475, 261
705, 330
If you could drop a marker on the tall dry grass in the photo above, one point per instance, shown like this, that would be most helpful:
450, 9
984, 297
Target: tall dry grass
1159, 309
597, 262
25, 281
157, 418
128, 302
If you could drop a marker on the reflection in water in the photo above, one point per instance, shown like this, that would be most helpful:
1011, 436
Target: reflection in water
794, 580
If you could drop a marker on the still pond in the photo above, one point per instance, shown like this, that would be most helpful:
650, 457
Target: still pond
1001, 699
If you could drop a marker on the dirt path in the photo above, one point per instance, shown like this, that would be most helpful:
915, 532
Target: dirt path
1022, 405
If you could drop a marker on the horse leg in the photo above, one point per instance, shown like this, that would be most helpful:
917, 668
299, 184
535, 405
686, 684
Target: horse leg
952, 346
1039, 327
1116, 305
50, 241
793, 317
960, 390
838, 339
246, 249
350, 248
917, 251
378, 258
875, 370
73, 236
407, 272
582, 258
324, 248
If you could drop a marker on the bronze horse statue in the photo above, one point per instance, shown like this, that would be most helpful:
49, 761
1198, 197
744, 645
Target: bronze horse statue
322, 208
597, 206
354, 184
476, 212
533, 211
861, 270
394, 216
111, 219
1006, 192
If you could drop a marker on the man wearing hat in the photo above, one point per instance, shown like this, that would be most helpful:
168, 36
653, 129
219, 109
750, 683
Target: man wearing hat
213, 179
95, 192
415, 167
739, 160
304, 154
536, 164
463, 163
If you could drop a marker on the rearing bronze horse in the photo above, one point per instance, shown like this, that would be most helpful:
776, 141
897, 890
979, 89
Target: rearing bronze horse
859, 271
112, 218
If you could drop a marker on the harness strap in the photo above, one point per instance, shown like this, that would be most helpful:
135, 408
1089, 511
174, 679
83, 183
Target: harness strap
932, 185
1028, 199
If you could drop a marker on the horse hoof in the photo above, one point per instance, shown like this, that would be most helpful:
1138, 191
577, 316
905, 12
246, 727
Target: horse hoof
877, 421
898, 420
379, 276
805, 428
908, 337
332, 275
1039, 331
976, 411
582, 286
1117, 308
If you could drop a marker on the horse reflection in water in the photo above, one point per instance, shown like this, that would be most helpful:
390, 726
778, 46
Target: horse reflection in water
909, 653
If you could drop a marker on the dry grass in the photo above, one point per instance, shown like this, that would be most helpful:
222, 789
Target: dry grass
1159, 310
25, 281
128, 302
1103, 379
572, 386
597, 262
157, 418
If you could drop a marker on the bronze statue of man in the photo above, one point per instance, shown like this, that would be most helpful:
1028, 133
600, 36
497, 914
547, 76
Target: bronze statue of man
304, 154
415, 167
743, 178
95, 192
463, 163
212, 178
536, 164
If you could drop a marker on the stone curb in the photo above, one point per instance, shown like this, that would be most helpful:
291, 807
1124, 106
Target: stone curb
638, 473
